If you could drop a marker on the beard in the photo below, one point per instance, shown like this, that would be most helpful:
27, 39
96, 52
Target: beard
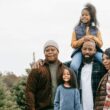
88, 59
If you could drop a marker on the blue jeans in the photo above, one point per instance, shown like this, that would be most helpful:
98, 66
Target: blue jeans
77, 59
98, 56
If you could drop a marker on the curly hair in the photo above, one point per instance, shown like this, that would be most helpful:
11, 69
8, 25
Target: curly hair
73, 80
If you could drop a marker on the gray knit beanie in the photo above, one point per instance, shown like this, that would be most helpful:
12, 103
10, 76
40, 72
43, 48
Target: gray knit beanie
107, 52
51, 43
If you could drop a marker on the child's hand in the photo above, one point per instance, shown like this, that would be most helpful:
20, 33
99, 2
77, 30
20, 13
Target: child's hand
88, 37
87, 31
91, 37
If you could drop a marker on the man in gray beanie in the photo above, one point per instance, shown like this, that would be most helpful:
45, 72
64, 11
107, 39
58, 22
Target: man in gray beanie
51, 43
43, 81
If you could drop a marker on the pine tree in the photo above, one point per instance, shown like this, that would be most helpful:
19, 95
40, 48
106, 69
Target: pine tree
10, 102
19, 93
2, 94
7, 101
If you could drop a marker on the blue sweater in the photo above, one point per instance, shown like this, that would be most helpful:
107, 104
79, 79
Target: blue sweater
67, 99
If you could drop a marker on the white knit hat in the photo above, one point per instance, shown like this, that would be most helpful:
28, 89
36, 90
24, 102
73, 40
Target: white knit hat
51, 43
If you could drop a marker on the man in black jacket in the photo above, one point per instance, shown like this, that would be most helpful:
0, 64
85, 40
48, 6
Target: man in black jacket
89, 75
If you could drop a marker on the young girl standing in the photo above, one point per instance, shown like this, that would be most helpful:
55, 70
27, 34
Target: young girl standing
67, 95
87, 29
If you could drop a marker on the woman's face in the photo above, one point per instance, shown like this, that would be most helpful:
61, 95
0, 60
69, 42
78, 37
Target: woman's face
106, 61
85, 16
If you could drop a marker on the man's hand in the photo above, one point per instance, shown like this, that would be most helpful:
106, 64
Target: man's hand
36, 64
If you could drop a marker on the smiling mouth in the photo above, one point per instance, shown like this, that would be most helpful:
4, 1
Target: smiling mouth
66, 78
50, 56
84, 20
106, 66
87, 56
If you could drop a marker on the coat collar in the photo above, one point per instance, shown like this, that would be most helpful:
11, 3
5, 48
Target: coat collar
47, 63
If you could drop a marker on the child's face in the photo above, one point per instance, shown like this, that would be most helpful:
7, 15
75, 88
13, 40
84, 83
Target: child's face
66, 75
85, 16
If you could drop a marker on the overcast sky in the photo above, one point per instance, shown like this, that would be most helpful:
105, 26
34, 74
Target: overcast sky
25, 25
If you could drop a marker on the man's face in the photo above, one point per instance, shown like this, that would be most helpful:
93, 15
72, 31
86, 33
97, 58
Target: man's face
88, 49
51, 54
